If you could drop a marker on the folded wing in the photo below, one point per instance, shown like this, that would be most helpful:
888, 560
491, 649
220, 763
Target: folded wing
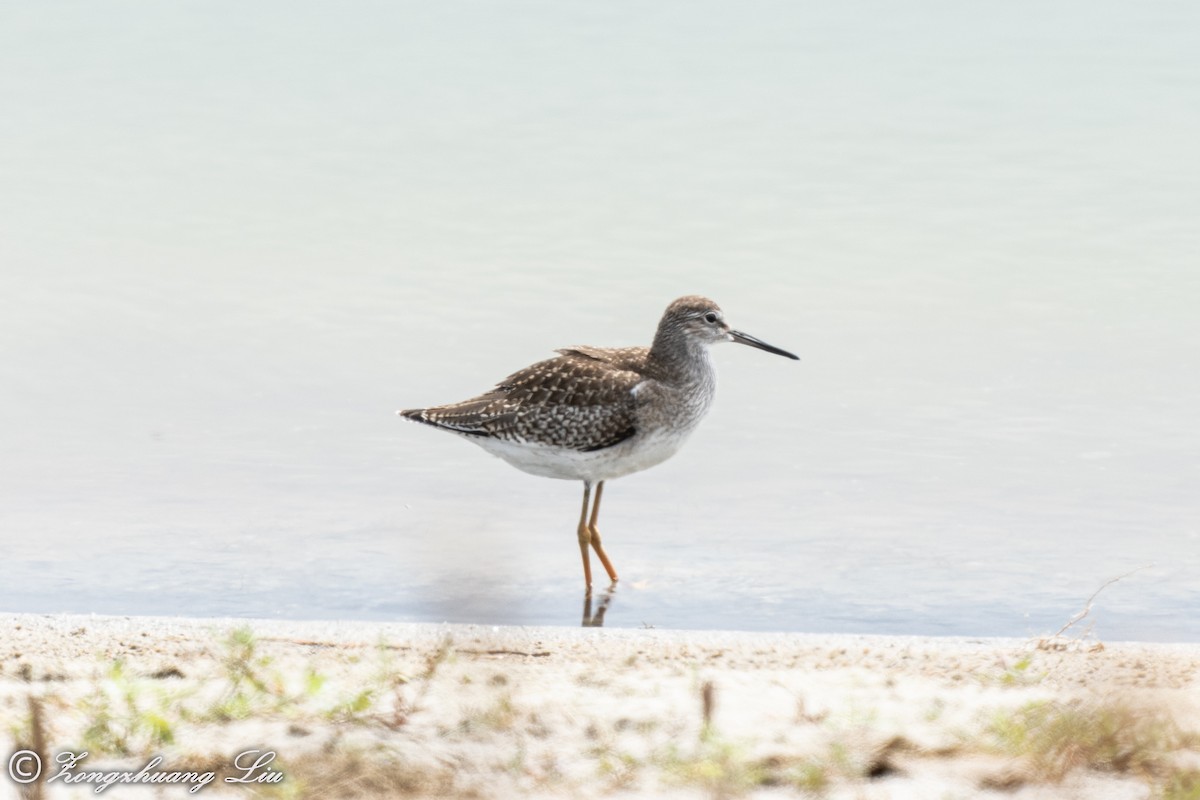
582, 400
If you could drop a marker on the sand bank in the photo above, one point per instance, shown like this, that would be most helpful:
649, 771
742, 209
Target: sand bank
394, 710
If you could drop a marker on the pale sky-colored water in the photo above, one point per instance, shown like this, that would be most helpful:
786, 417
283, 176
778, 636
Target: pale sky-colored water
234, 239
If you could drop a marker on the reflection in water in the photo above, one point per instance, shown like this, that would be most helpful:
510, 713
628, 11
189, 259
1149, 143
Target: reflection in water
597, 620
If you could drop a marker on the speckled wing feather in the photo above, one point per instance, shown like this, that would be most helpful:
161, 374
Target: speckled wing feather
581, 400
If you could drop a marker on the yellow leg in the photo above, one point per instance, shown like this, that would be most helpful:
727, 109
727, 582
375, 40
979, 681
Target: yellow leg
585, 536
595, 535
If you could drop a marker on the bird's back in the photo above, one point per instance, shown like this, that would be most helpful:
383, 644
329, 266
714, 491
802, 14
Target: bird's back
581, 400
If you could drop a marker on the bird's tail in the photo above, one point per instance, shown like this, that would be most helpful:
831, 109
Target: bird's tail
446, 418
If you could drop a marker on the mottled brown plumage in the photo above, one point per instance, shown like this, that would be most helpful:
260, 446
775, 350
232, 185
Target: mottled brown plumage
582, 400
594, 413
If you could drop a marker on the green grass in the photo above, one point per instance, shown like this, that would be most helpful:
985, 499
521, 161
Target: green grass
1180, 786
718, 766
125, 716
1057, 738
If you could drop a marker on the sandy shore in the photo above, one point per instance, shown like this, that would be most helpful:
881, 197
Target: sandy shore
387, 710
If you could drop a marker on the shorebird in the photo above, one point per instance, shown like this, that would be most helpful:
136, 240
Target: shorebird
596, 413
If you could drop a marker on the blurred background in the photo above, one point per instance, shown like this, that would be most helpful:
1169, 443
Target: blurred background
235, 238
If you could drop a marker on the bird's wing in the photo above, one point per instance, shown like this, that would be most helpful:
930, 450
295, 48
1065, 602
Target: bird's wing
574, 401
628, 358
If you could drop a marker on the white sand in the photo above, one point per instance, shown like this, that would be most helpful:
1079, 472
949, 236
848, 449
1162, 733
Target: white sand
385, 710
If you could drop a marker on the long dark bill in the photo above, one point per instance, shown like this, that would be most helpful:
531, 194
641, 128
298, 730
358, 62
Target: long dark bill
745, 338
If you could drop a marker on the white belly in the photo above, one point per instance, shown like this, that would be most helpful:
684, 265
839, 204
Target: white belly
632, 455
667, 415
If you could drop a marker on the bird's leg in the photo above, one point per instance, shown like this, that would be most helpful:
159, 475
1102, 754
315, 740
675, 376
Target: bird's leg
595, 535
585, 536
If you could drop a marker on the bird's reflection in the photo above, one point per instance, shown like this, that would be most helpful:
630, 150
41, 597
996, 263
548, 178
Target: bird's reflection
596, 620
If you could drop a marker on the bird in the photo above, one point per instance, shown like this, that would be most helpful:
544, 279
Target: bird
593, 414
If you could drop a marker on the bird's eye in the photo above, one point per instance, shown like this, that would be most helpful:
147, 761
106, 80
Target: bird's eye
710, 318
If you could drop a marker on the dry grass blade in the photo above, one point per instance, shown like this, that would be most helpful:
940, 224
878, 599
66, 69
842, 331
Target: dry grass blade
37, 743
1087, 607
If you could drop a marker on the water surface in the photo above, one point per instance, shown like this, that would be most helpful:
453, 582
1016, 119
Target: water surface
234, 239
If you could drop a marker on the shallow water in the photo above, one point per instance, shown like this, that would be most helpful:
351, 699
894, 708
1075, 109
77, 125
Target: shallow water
233, 241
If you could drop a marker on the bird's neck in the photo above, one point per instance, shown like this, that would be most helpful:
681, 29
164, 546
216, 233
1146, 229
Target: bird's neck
681, 360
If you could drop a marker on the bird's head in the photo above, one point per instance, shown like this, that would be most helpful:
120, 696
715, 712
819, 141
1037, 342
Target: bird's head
700, 320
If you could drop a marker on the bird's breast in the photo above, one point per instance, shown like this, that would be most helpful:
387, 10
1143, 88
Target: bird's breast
674, 409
